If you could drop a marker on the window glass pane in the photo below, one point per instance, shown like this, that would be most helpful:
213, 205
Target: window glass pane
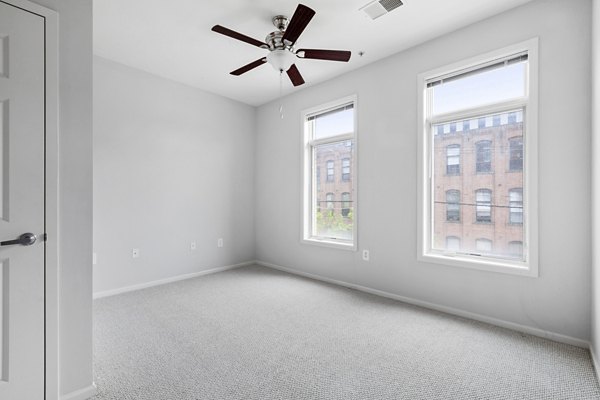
332, 123
484, 200
334, 212
476, 89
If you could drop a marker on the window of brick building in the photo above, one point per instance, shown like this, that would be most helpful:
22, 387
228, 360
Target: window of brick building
483, 154
453, 159
329, 140
483, 246
515, 249
483, 205
346, 169
452, 243
330, 199
346, 204
515, 198
453, 205
478, 162
330, 170
515, 146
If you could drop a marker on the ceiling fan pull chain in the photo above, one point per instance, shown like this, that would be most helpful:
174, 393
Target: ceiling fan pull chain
280, 92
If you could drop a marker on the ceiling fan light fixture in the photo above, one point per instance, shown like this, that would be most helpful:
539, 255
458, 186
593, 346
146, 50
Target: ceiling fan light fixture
281, 60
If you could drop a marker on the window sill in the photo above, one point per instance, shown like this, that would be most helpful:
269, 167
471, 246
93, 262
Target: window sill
481, 263
331, 243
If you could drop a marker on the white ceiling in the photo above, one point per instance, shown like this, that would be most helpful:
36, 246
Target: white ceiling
172, 38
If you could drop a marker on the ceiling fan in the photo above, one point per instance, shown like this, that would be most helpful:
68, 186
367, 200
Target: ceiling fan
280, 45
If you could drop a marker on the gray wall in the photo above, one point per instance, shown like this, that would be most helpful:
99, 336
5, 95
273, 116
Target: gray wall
596, 181
559, 300
172, 165
75, 192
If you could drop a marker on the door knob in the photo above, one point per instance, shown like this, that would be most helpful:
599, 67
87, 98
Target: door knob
26, 239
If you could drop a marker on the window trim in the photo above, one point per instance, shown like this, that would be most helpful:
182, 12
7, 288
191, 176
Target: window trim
529, 266
308, 187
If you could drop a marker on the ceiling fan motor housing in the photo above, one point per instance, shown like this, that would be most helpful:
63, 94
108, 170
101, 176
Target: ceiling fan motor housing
275, 41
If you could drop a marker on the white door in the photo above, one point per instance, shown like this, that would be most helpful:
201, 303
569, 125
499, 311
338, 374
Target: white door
22, 133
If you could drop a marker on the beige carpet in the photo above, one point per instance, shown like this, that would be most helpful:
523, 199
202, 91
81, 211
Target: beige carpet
254, 333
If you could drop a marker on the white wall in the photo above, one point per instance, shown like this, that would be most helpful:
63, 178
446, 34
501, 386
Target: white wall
75, 193
559, 300
172, 165
596, 182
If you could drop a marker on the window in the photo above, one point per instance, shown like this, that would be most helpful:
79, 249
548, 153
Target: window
329, 139
483, 246
453, 243
346, 204
329, 197
453, 205
330, 171
483, 206
453, 159
346, 169
515, 198
478, 162
515, 249
483, 156
516, 154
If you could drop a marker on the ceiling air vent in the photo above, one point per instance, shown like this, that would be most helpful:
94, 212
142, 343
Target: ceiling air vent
377, 8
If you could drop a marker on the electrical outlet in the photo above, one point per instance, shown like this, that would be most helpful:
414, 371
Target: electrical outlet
365, 255
94, 258
193, 246
135, 253
220, 242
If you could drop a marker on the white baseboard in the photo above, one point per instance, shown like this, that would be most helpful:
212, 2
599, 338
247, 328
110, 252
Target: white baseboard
595, 362
145, 285
557, 337
80, 394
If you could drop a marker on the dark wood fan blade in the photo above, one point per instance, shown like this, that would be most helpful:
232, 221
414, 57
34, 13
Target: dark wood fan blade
330, 55
248, 67
236, 35
300, 19
295, 76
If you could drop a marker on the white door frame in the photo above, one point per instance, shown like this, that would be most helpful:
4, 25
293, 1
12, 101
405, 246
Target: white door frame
51, 191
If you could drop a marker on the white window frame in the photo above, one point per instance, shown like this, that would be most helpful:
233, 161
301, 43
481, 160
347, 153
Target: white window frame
309, 188
529, 266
